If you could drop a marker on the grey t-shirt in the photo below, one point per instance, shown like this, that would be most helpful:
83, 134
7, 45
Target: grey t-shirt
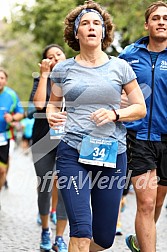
87, 89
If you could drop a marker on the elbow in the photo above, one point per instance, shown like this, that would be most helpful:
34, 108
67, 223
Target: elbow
142, 112
39, 105
142, 115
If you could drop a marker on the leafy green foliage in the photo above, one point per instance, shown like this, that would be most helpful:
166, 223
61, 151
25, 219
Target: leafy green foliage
128, 17
32, 28
21, 62
45, 20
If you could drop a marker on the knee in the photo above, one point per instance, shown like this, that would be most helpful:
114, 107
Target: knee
3, 171
80, 231
105, 245
44, 187
105, 242
146, 206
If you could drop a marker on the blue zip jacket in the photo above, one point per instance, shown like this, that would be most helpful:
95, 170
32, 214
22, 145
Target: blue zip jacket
152, 79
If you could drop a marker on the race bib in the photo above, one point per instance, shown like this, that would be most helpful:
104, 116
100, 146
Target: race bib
57, 134
98, 151
3, 140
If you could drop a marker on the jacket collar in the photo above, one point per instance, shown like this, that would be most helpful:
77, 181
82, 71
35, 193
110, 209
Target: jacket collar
143, 42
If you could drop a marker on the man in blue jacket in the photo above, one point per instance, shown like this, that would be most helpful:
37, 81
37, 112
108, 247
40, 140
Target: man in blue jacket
147, 137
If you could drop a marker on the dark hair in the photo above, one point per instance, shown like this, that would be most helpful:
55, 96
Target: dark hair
152, 7
69, 25
44, 54
4, 71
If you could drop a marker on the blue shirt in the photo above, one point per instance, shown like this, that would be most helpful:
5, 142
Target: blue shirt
9, 103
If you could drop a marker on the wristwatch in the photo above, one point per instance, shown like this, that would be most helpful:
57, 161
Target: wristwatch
117, 116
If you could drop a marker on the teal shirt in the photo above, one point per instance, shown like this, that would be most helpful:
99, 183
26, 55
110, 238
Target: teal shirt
9, 103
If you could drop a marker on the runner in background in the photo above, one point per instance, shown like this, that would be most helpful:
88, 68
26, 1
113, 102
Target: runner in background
27, 126
11, 111
44, 154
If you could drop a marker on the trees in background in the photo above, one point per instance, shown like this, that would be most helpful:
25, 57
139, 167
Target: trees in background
32, 28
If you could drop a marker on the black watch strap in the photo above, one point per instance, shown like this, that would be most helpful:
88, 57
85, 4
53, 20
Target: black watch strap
117, 116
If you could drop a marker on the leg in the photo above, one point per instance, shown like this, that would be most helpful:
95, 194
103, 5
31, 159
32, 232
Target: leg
60, 228
61, 216
59, 244
44, 168
11, 150
46, 179
107, 195
144, 158
144, 222
95, 247
53, 216
79, 244
3, 173
45, 221
161, 193
54, 196
118, 229
162, 184
4, 158
76, 196
122, 208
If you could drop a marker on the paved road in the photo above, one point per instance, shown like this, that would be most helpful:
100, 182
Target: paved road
18, 228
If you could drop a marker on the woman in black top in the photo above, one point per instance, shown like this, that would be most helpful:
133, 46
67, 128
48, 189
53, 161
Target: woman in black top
44, 149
